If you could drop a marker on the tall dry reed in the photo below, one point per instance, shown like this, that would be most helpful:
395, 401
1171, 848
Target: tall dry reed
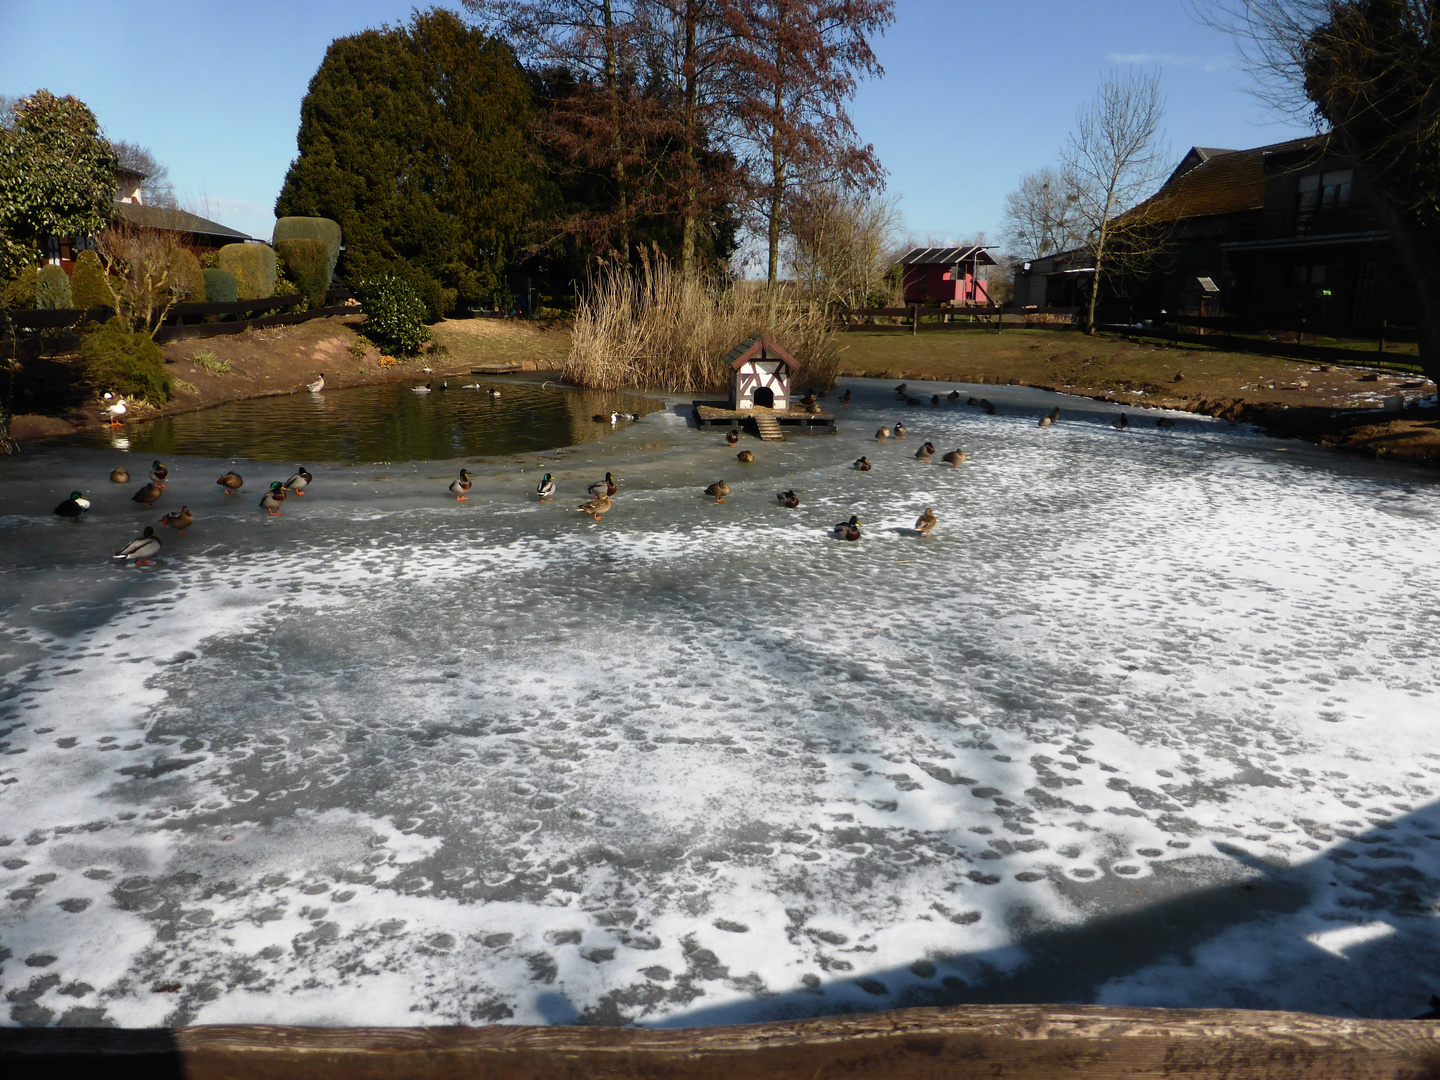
657, 328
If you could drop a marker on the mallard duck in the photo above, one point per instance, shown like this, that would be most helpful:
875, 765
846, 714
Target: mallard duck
179, 520
902, 388
597, 506
989, 408
147, 495
732, 436
934, 399
1164, 421
747, 456
318, 385
899, 431
925, 522
158, 473
955, 458
73, 507
460, 485
273, 499
120, 475
421, 389
882, 434
602, 487
444, 385
719, 490
231, 483
142, 548
1046, 421
972, 402
813, 408
953, 396
1055, 415
788, 499
546, 487
848, 530
492, 392
1121, 422
113, 409
926, 452
299, 480
845, 398
863, 464
809, 399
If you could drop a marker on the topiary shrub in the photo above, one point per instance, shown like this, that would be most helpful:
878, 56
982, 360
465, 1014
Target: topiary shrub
124, 362
312, 228
189, 280
19, 294
52, 289
306, 263
220, 287
394, 314
253, 266
87, 283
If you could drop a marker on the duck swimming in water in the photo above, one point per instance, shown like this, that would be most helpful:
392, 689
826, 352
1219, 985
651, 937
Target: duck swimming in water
421, 389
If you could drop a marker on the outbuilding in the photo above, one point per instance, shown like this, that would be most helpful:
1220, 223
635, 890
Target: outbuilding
760, 373
950, 276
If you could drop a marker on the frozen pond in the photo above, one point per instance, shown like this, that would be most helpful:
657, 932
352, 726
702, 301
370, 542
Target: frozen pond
1151, 719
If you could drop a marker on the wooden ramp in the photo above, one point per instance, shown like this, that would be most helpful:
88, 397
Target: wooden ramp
772, 425
768, 426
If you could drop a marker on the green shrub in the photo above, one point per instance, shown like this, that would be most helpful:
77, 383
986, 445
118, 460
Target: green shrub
125, 362
394, 314
189, 281
53, 288
220, 287
306, 263
20, 294
312, 228
253, 266
87, 283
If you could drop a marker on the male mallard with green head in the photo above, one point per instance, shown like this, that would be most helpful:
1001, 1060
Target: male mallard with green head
788, 499
718, 490
74, 506
142, 548
862, 464
273, 499
926, 451
231, 483
546, 487
298, 481
179, 520
158, 473
925, 523
604, 487
848, 530
732, 436
147, 495
899, 431
461, 485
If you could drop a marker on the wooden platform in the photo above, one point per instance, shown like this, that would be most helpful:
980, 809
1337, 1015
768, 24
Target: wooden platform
1022, 1042
771, 425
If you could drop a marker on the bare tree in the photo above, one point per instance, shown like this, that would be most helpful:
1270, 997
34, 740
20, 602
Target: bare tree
143, 272
841, 243
1112, 159
1041, 215
155, 186
1369, 71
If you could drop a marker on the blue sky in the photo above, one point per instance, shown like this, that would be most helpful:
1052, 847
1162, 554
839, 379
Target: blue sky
975, 94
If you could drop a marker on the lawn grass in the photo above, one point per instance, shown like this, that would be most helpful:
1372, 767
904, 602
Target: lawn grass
475, 342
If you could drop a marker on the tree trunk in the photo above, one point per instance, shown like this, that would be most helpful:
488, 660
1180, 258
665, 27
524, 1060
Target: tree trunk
777, 180
612, 84
1089, 323
691, 210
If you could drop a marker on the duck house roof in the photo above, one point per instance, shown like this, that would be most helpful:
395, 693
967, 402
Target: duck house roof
758, 347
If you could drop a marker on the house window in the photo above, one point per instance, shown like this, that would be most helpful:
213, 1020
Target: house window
1325, 191
1303, 274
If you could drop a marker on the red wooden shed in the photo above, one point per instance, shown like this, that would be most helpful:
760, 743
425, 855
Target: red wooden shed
946, 275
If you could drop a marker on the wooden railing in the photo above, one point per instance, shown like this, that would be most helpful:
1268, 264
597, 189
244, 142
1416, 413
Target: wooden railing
987, 316
1023, 1041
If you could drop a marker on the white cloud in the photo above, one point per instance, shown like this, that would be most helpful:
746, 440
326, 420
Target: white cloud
1207, 64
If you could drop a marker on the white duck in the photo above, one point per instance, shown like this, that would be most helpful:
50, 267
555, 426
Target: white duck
114, 409
316, 386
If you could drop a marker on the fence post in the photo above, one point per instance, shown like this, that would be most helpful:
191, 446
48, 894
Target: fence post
1383, 324
914, 320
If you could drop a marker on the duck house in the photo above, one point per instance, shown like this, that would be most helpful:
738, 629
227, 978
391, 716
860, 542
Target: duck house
760, 396
760, 373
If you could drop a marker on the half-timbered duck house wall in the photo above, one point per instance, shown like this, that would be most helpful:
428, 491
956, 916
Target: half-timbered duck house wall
760, 374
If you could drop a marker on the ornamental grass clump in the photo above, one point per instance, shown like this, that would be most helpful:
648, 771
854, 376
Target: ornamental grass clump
394, 314
662, 329
125, 362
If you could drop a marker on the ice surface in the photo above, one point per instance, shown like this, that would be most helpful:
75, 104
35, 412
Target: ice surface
1149, 720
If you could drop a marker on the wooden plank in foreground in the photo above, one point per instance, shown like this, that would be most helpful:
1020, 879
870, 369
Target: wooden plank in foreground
1083, 1042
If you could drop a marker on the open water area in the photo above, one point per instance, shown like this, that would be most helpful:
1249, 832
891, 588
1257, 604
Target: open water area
1149, 720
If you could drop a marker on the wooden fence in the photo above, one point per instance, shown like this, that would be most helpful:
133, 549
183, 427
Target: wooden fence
986, 316
1023, 1041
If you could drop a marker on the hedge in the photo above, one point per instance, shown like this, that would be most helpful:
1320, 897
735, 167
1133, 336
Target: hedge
87, 283
312, 228
394, 314
124, 362
220, 287
189, 278
52, 289
20, 293
253, 267
307, 265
